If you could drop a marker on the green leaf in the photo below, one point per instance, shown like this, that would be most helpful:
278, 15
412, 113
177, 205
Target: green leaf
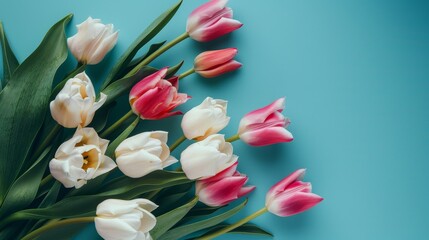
248, 229
154, 28
100, 119
63, 232
187, 229
113, 145
169, 219
10, 63
25, 100
136, 61
173, 70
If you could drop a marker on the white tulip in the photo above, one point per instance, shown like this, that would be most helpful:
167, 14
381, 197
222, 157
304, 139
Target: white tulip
144, 153
208, 157
205, 119
81, 158
92, 41
125, 220
75, 104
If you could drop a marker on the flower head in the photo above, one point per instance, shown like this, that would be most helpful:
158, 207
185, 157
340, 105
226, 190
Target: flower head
214, 63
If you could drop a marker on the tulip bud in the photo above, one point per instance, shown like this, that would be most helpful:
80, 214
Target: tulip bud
214, 63
223, 188
205, 119
211, 20
125, 220
265, 126
75, 104
92, 41
290, 196
154, 97
144, 153
81, 158
208, 157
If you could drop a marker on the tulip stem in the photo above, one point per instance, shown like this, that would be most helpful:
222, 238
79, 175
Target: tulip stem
234, 226
53, 225
233, 138
46, 180
158, 52
118, 123
177, 143
187, 73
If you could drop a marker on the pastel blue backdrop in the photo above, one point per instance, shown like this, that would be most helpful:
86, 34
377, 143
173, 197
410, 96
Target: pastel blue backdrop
356, 78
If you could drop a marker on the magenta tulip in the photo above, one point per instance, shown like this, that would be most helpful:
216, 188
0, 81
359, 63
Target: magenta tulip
155, 97
211, 20
290, 196
214, 63
223, 188
265, 126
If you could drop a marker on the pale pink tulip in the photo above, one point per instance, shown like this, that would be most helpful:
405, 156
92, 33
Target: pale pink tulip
265, 126
223, 188
291, 196
214, 63
211, 20
155, 97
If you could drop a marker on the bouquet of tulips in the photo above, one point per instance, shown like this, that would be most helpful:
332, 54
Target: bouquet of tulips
63, 165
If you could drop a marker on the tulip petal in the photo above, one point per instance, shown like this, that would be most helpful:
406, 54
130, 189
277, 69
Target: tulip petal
147, 83
211, 59
259, 115
287, 205
284, 183
218, 29
222, 192
204, 12
114, 229
222, 69
267, 136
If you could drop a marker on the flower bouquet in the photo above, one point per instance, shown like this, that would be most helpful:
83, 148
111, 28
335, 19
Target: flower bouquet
64, 165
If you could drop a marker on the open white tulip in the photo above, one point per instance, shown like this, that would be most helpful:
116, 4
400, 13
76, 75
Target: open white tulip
75, 104
125, 220
208, 157
92, 41
81, 158
205, 119
144, 153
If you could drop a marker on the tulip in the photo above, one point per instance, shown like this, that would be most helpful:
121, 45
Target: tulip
125, 220
205, 119
92, 41
154, 97
75, 104
214, 63
144, 153
211, 20
207, 158
265, 126
81, 158
223, 188
290, 196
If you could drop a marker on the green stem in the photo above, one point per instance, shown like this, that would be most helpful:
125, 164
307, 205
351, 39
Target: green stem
235, 225
187, 73
47, 141
233, 138
158, 52
177, 143
116, 124
53, 225
46, 180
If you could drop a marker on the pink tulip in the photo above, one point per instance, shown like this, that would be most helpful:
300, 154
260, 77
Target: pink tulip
211, 20
265, 126
290, 196
223, 188
214, 63
155, 97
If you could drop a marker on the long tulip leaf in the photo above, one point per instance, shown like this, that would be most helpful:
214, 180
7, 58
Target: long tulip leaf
10, 63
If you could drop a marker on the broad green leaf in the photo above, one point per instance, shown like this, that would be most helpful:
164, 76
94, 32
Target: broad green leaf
187, 229
198, 212
25, 100
169, 219
136, 61
151, 31
173, 70
10, 63
249, 229
63, 232
100, 119
113, 145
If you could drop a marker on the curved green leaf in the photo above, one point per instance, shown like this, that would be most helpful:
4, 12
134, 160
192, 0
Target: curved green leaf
25, 100
173, 70
248, 229
136, 61
10, 63
113, 145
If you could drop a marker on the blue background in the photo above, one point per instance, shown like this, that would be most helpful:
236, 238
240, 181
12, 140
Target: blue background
356, 78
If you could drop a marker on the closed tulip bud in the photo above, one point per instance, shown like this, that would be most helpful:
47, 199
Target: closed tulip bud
211, 20
265, 126
207, 158
125, 219
75, 104
214, 63
92, 41
81, 158
205, 119
223, 188
155, 97
144, 153
290, 196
